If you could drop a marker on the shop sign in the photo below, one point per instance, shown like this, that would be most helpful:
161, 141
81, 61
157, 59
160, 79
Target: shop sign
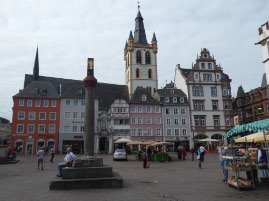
78, 137
78, 122
202, 132
19, 134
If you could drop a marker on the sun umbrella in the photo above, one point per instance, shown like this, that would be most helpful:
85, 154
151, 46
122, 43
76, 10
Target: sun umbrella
208, 140
122, 140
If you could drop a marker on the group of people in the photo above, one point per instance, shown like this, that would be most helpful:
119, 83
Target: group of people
181, 153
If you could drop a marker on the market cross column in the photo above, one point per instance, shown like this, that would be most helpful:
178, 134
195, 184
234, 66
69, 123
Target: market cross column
90, 84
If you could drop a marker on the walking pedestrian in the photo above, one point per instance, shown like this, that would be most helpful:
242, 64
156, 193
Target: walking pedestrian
202, 151
52, 154
199, 158
29, 151
40, 158
179, 153
192, 154
144, 158
223, 162
149, 153
184, 153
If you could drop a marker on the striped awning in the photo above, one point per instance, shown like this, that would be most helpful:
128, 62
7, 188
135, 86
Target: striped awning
256, 126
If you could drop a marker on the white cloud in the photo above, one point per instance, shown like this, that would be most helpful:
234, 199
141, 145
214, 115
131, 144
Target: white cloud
68, 32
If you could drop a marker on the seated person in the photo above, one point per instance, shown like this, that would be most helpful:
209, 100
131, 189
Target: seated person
68, 160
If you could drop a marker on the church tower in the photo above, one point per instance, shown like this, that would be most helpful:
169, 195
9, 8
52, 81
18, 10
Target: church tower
264, 42
140, 59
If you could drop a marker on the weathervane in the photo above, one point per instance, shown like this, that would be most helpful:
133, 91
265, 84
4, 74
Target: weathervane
138, 5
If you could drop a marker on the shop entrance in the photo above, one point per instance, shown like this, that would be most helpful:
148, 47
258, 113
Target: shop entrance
103, 145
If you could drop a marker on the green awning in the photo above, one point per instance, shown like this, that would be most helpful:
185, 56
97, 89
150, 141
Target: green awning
256, 126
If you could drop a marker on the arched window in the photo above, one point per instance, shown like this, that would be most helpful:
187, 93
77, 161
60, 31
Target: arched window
147, 58
150, 73
138, 57
137, 73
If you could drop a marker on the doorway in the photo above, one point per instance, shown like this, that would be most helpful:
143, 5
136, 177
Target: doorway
103, 145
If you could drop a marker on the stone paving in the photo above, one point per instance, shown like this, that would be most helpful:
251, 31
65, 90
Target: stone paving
173, 181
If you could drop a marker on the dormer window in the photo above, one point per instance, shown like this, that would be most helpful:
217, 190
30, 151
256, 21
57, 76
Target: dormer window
182, 100
35, 91
167, 100
172, 91
144, 98
174, 100
44, 91
80, 91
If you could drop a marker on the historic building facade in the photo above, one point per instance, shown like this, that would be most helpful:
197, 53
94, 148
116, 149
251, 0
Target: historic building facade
5, 131
36, 109
140, 59
209, 96
175, 115
145, 117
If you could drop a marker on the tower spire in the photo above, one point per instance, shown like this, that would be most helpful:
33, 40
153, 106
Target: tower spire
36, 66
139, 33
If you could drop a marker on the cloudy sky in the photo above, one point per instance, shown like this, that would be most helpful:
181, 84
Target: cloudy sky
69, 31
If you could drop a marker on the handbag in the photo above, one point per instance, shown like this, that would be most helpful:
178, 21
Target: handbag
198, 157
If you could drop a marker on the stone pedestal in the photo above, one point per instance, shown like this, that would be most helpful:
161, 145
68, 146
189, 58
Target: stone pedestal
87, 172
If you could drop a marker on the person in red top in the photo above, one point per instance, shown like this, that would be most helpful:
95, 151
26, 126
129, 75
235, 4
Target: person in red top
184, 153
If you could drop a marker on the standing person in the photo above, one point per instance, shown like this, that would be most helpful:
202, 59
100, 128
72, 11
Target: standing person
199, 158
223, 162
192, 154
179, 153
52, 154
149, 153
40, 158
184, 153
202, 151
262, 160
29, 151
68, 161
144, 158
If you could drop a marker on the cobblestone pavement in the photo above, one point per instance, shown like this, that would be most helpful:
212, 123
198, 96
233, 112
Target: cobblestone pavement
173, 181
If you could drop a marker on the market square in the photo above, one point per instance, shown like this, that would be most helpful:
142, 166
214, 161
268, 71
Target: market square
175, 180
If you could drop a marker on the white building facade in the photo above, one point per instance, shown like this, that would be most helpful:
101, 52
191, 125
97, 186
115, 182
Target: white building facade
209, 97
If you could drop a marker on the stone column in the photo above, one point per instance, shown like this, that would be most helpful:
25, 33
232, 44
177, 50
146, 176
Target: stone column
89, 83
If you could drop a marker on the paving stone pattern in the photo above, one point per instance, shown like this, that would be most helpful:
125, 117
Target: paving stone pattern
173, 181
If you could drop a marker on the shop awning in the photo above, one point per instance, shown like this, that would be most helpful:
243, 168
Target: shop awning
256, 126
249, 138
208, 140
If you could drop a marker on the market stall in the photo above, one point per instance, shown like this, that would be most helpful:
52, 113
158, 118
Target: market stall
161, 156
246, 161
209, 141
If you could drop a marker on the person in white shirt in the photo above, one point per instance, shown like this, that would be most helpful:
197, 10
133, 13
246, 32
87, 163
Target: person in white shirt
68, 160
202, 154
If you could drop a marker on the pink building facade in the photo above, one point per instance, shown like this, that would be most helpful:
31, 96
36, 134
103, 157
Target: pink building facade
145, 117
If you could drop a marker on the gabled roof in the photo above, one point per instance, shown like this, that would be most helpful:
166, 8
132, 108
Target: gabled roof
185, 72
240, 92
29, 90
137, 97
106, 93
167, 92
264, 81
4, 121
